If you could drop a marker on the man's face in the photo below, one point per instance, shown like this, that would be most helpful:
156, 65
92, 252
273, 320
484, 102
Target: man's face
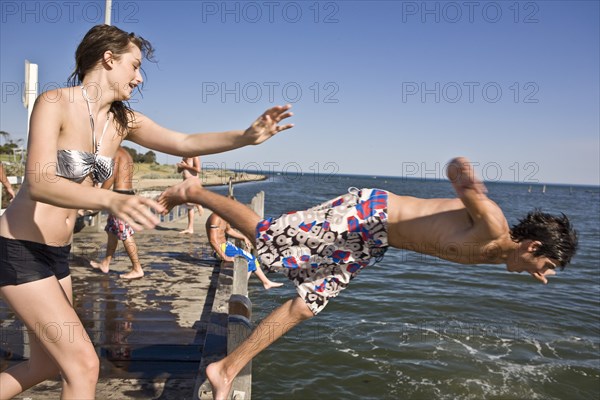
539, 267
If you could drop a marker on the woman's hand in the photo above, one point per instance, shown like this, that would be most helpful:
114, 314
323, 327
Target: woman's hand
267, 125
136, 211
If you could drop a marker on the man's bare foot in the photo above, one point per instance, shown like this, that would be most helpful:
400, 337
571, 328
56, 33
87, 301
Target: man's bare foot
104, 267
270, 285
187, 231
221, 384
132, 275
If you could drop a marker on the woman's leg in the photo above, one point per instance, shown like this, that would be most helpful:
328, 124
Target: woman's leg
22, 376
58, 340
190, 225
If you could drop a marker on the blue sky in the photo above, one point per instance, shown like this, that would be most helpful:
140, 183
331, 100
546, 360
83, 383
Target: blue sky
391, 88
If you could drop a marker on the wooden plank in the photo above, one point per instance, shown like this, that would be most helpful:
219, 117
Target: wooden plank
240, 276
215, 344
238, 325
240, 305
238, 329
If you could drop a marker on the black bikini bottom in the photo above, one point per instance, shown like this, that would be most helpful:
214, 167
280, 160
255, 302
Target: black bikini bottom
22, 261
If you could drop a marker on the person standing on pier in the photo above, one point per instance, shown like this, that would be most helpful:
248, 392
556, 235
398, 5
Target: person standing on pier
322, 249
117, 229
74, 133
190, 169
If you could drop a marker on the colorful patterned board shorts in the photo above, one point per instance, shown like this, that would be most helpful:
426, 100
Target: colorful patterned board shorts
323, 248
231, 250
119, 228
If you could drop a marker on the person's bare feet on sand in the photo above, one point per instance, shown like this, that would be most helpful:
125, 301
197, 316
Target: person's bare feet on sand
132, 275
100, 265
221, 384
187, 231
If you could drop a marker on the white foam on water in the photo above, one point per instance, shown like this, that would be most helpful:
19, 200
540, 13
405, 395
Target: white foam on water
352, 352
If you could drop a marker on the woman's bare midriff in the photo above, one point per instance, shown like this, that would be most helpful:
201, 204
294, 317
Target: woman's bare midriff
37, 222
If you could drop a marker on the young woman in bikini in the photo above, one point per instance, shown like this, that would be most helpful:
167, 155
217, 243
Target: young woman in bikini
74, 133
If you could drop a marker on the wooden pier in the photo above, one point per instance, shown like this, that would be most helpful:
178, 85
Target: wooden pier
155, 335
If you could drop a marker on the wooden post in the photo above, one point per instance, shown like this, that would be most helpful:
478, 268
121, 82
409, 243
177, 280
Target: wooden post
239, 328
239, 325
240, 275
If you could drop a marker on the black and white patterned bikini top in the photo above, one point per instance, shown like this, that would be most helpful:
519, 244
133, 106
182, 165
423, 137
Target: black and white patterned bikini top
76, 165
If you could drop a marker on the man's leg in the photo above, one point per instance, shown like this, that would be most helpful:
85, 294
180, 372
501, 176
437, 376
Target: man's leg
222, 373
190, 215
136, 267
254, 266
111, 247
267, 283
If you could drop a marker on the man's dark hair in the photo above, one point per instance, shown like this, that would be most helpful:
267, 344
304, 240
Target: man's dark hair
557, 237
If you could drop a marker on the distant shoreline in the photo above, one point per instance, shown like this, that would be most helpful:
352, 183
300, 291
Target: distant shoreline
208, 178
157, 177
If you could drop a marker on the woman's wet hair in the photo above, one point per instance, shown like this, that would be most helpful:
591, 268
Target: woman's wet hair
555, 233
90, 52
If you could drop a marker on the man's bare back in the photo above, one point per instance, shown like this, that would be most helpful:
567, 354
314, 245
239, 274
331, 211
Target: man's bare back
469, 229
216, 229
123, 174
444, 228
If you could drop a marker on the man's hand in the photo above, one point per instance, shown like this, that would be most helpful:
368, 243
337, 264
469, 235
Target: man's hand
178, 194
462, 175
541, 276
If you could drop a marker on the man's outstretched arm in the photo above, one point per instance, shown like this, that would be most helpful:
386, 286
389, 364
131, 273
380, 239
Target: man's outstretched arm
235, 213
469, 189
